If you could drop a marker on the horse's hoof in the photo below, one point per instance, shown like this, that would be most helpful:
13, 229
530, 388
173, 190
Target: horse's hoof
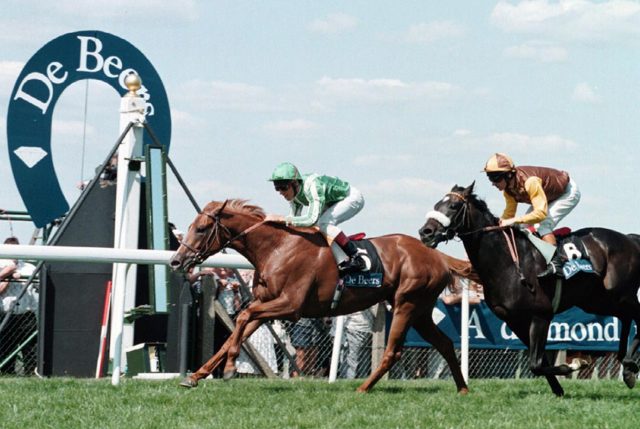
228, 375
463, 391
631, 366
361, 390
189, 382
629, 378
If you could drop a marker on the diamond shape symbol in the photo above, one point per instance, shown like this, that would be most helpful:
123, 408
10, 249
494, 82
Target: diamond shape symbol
437, 315
30, 155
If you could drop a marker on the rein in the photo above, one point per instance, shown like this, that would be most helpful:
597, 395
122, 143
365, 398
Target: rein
509, 237
215, 232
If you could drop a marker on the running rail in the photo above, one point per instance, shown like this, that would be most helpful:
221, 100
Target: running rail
110, 255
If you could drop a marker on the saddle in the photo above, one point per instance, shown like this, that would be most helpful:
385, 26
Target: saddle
370, 277
570, 247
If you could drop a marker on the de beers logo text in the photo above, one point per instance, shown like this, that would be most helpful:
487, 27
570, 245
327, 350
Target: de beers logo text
61, 62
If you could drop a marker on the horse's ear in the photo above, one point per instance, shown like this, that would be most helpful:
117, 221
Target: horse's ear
469, 190
222, 207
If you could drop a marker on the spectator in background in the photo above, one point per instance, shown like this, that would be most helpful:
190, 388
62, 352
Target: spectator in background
357, 335
308, 336
228, 290
22, 324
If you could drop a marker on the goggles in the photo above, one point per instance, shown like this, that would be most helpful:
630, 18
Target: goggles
281, 185
497, 176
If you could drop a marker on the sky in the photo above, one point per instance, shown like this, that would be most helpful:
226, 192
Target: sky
401, 99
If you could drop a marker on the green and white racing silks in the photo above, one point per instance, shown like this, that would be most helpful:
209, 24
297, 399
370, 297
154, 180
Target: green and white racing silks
318, 193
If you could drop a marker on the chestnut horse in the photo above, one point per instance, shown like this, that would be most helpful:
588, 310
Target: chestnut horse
298, 277
515, 294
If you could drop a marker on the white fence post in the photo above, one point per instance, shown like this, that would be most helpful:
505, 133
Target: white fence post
464, 330
132, 109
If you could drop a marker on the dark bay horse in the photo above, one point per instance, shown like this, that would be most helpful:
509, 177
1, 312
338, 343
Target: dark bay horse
298, 277
515, 294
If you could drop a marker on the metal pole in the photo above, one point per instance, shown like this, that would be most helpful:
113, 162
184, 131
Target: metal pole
337, 345
464, 330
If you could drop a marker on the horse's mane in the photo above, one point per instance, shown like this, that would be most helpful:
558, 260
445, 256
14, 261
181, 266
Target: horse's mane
479, 203
242, 206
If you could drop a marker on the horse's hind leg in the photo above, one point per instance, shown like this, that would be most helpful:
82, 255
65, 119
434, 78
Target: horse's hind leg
629, 365
397, 332
432, 334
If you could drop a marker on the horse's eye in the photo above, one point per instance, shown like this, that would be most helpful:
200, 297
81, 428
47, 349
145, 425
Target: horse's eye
200, 229
456, 206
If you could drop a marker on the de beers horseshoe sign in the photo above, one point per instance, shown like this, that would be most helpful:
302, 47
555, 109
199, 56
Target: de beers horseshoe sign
67, 59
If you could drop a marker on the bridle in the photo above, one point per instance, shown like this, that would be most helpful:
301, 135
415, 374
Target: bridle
215, 234
461, 219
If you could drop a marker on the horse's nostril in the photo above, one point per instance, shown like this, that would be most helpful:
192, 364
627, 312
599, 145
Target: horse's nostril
426, 231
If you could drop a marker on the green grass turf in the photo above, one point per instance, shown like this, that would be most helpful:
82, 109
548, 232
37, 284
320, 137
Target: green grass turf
277, 404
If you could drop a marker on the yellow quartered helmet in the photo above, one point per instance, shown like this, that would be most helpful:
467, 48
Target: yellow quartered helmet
499, 162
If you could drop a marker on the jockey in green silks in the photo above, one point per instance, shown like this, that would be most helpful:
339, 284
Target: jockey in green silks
330, 201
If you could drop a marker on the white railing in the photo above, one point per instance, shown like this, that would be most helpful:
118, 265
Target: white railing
109, 255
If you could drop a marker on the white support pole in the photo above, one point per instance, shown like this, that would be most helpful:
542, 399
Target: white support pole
464, 330
132, 108
337, 345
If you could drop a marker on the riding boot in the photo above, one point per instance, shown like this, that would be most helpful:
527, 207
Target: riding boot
355, 261
554, 267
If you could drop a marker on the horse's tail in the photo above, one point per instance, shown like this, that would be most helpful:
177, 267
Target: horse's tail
461, 268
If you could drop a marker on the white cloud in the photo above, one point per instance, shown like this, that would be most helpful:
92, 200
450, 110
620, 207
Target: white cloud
585, 94
384, 90
406, 186
515, 142
538, 51
461, 133
429, 32
207, 190
570, 20
124, 9
333, 24
219, 95
184, 119
373, 160
295, 126
9, 71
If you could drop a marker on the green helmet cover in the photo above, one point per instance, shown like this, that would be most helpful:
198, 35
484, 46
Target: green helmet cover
285, 171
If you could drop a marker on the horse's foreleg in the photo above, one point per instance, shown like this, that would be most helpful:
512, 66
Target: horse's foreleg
432, 334
232, 354
522, 330
248, 321
209, 366
538, 331
397, 332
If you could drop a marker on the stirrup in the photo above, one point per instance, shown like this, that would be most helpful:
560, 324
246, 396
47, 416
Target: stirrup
354, 263
553, 268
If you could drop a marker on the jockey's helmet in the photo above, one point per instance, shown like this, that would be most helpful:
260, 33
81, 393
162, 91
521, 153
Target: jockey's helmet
285, 171
499, 163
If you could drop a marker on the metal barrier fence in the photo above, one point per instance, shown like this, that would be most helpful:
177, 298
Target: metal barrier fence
309, 343
18, 338
304, 349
